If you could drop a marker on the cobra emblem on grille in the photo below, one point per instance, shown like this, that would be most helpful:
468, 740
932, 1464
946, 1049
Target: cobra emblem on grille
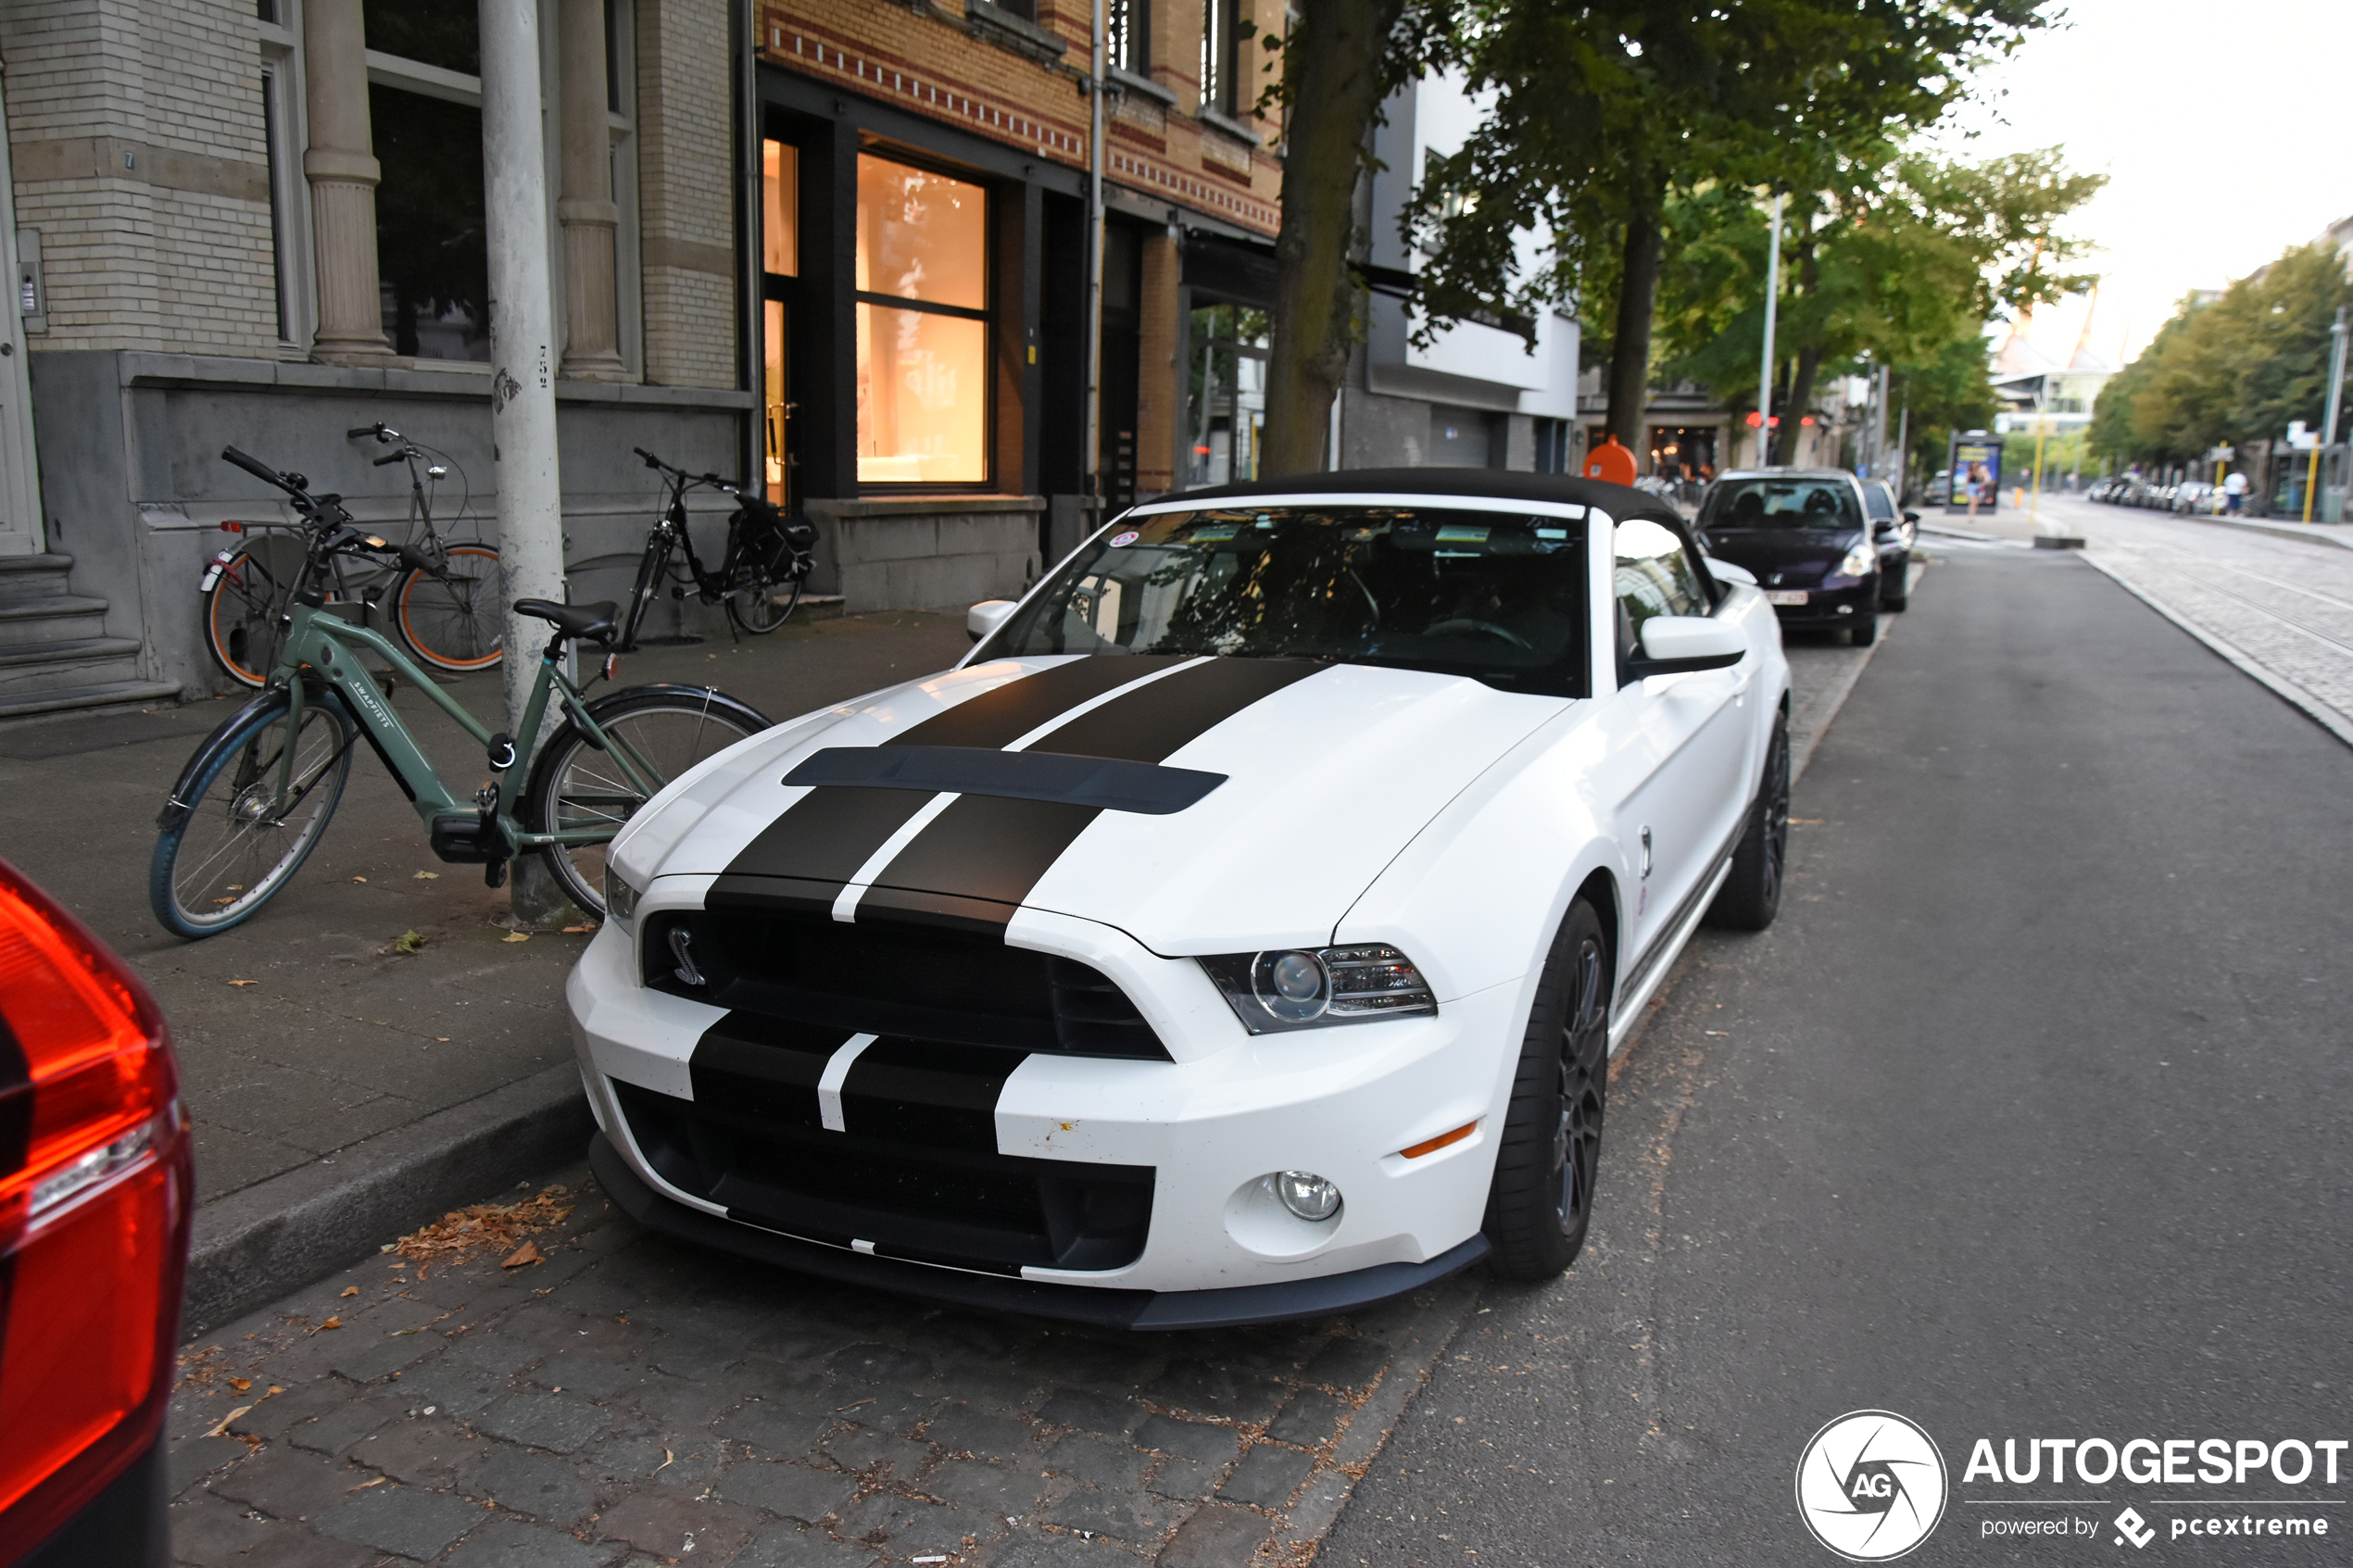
682, 944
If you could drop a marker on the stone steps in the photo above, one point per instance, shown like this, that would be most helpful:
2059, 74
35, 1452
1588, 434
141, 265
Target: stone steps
55, 654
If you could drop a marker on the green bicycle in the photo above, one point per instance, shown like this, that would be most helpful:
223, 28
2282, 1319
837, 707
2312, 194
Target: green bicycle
255, 798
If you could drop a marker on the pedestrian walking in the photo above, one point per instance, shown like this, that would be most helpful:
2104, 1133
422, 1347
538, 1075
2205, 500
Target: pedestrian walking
2234, 491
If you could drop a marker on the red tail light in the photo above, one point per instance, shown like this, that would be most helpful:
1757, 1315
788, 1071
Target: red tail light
94, 1198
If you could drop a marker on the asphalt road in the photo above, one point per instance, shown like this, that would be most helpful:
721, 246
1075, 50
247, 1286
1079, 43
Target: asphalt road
2023, 1122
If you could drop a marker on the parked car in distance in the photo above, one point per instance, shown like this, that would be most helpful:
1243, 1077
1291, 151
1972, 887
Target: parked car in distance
2196, 497
96, 1187
1939, 490
1893, 531
1239, 933
1803, 534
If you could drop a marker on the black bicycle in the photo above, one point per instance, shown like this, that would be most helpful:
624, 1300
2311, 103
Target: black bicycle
758, 578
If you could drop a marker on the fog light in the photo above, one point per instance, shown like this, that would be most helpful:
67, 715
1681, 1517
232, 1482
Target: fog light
1307, 1195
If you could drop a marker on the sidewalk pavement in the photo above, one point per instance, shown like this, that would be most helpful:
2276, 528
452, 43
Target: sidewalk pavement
340, 1091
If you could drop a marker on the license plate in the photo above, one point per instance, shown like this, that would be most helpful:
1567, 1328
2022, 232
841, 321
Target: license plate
1784, 595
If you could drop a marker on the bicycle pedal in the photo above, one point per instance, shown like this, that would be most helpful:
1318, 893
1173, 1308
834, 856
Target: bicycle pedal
494, 875
486, 798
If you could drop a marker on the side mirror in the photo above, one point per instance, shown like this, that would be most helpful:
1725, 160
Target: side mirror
1911, 517
1730, 571
986, 617
1677, 645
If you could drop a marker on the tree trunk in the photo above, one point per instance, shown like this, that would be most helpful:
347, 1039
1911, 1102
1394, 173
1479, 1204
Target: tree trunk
1629, 354
1333, 57
1809, 362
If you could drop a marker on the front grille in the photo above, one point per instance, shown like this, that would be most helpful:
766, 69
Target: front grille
914, 982
969, 1209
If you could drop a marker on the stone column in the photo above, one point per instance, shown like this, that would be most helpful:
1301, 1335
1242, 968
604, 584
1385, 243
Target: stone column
341, 165
585, 210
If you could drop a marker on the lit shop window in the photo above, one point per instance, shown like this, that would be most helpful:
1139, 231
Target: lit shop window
780, 206
923, 328
780, 260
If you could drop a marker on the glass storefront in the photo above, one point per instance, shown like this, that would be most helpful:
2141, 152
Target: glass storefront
1226, 394
923, 326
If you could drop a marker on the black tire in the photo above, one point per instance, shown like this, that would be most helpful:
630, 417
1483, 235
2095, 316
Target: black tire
1896, 590
574, 784
1866, 631
1750, 895
454, 622
652, 570
245, 613
1540, 1204
764, 604
221, 855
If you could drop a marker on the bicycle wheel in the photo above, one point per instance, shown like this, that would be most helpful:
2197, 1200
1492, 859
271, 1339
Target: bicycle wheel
230, 841
455, 624
764, 604
664, 730
245, 614
651, 570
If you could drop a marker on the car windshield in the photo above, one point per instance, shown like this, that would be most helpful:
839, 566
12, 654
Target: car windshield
1781, 503
1498, 597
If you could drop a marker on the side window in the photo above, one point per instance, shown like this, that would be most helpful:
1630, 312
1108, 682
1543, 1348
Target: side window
1655, 575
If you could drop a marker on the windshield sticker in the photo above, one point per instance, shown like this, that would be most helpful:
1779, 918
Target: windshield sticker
1121, 541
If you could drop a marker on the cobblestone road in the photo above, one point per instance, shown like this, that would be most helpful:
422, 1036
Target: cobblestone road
632, 1400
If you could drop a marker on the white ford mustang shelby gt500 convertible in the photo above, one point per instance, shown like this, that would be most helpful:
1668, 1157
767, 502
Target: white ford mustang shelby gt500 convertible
1239, 933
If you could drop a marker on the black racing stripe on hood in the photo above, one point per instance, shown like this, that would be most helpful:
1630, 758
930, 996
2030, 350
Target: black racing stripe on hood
829, 833
922, 1092
763, 1067
993, 850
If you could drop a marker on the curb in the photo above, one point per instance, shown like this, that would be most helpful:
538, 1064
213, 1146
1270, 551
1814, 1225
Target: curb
2312, 534
2287, 691
276, 1237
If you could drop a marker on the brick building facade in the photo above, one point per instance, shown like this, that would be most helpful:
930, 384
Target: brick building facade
220, 209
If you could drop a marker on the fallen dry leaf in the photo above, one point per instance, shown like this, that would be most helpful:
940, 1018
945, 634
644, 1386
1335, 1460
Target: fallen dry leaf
359, 879
410, 941
222, 1425
245, 982
351, 1290
516, 936
467, 1233
332, 1323
571, 930
527, 1253
428, 876
241, 1383
365, 1484
441, 1039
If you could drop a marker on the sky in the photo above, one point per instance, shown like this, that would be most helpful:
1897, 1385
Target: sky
2222, 129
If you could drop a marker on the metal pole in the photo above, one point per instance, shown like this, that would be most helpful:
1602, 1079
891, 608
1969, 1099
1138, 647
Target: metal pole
1903, 445
522, 360
1765, 368
2339, 332
1094, 437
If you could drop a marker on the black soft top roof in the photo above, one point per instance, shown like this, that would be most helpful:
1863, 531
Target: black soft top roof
1502, 485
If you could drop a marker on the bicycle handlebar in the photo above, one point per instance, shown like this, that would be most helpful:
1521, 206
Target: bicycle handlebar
395, 458
259, 469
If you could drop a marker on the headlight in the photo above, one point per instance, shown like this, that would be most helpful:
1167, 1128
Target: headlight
621, 899
1303, 988
1861, 561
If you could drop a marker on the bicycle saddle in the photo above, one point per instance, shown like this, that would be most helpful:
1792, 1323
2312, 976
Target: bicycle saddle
594, 621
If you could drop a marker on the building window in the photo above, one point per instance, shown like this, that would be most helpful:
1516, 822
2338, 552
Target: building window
1217, 56
1552, 445
780, 260
1128, 28
282, 128
424, 110
923, 326
1226, 394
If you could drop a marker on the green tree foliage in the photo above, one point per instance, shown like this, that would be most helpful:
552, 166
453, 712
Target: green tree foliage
1604, 113
1894, 269
2229, 371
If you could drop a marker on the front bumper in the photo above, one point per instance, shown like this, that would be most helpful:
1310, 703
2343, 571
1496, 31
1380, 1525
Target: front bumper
1196, 1134
1842, 605
1140, 1309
